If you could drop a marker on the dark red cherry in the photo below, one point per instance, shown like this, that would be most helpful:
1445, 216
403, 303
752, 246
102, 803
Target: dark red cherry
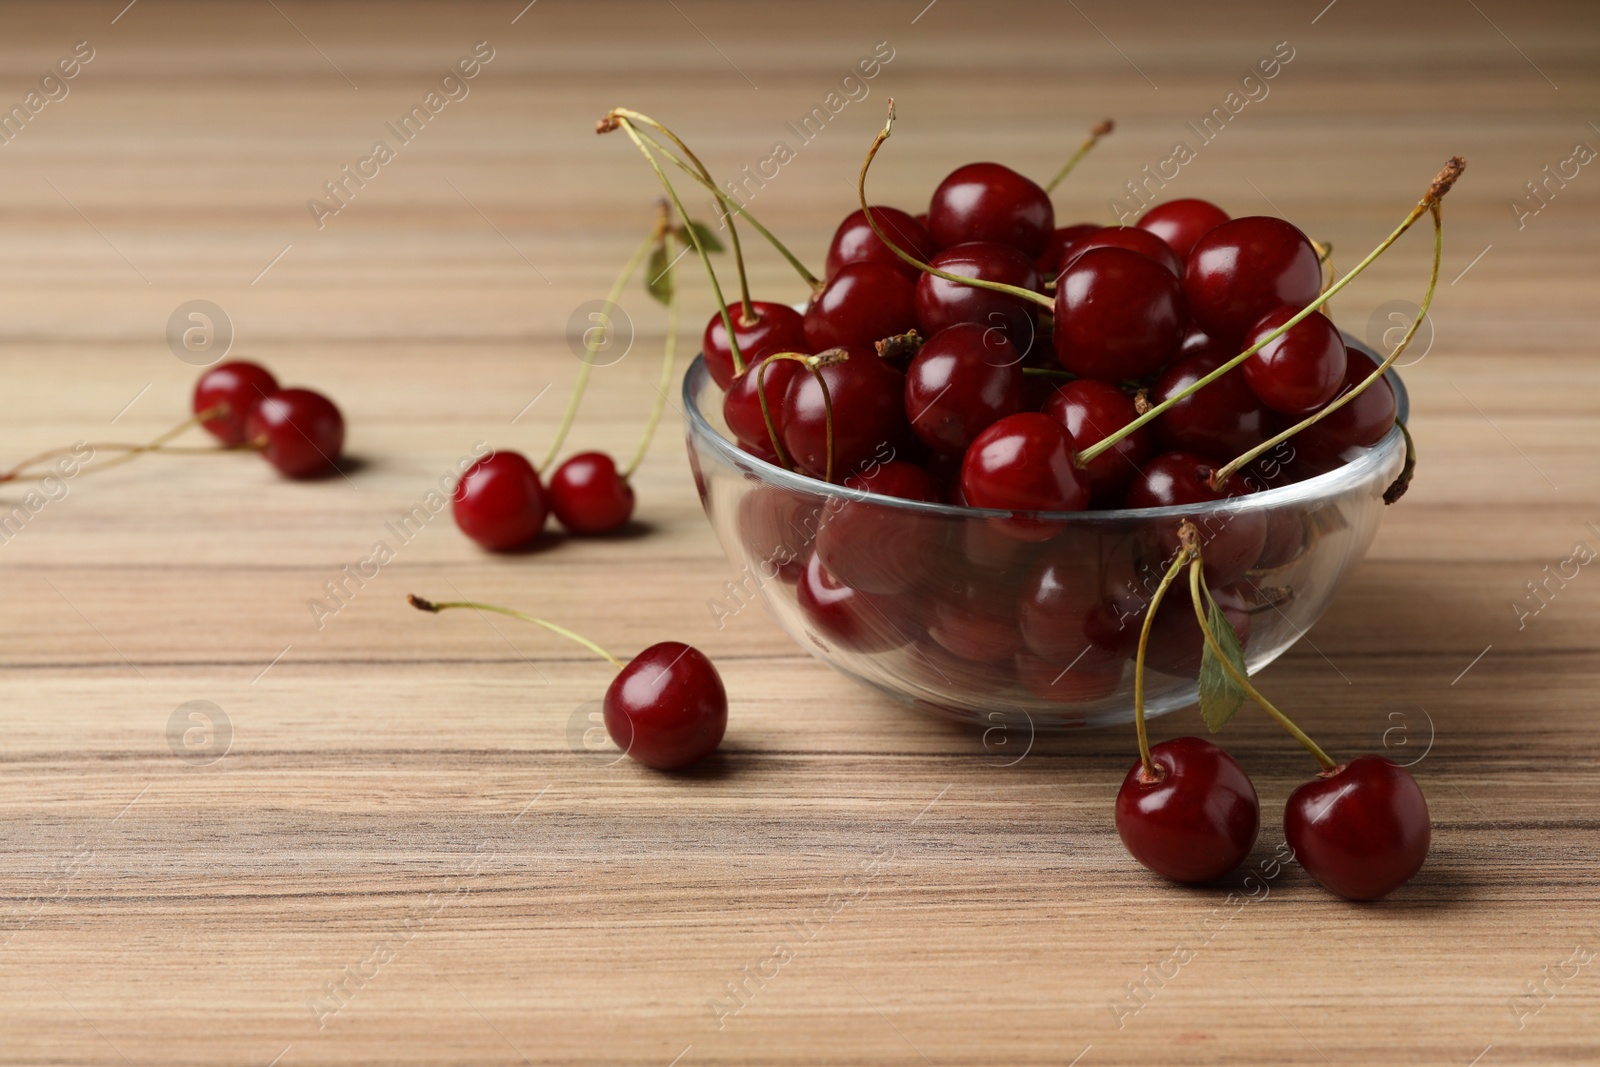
500, 503
869, 414
1049, 261
1230, 540
1339, 437
1180, 223
299, 431
238, 386
880, 548
964, 378
777, 527
1245, 268
1066, 683
991, 202
589, 495
862, 304
1132, 238
1024, 462
942, 304
741, 405
1361, 829
667, 708
1090, 410
845, 617
1118, 315
1301, 370
777, 328
854, 241
1062, 616
1197, 820
1225, 419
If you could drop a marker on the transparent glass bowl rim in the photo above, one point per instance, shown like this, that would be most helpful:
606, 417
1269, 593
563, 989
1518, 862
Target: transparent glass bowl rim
1316, 488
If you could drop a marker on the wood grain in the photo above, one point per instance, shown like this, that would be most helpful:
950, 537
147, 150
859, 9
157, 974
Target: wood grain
400, 812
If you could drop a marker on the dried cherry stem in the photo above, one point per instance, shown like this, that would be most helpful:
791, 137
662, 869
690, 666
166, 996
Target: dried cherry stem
437, 606
1148, 772
1218, 477
976, 283
1197, 592
612, 122
814, 364
669, 358
1429, 202
1097, 131
130, 452
1402, 482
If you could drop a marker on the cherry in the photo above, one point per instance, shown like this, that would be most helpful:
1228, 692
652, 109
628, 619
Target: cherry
1063, 617
1224, 419
1231, 540
878, 548
991, 202
846, 617
1118, 315
1090, 410
589, 495
1338, 437
1049, 261
299, 431
1180, 223
964, 378
237, 387
869, 417
1024, 462
741, 405
1196, 818
1069, 684
854, 241
861, 304
1299, 371
1361, 828
667, 708
1132, 238
776, 328
1245, 268
499, 502
776, 527
942, 303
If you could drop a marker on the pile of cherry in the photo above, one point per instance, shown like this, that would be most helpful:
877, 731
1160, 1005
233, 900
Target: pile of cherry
298, 431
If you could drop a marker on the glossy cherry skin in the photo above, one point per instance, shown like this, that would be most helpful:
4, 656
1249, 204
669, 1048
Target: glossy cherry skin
1024, 463
1180, 223
848, 618
1339, 437
963, 379
1132, 238
741, 405
1230, 541
300, 432
1361, 829
777, 328
1118, 315
239, 386
1090, 410
991, 202
1198, 820
1049, 261
1062, 617
500, 503
1225, 419
1245, 268
667, 708
879, 548
860, 305
869, 415
942, 303
1299, 371
854, 241
589, 495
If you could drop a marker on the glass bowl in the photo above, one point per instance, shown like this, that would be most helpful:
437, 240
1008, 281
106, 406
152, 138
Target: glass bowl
972, 614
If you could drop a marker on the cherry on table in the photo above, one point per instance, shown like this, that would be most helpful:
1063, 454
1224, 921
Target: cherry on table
869, 415
667, 708
991, 202
1301, 369
1180, 223
776, 328
863, 303
236, 388
942, 303
1119, 315
500, 502
299, 431
1246, 267
1196, 819
1090, 410
1225, 419
854, 241
589, 495
962, 379
1360, 829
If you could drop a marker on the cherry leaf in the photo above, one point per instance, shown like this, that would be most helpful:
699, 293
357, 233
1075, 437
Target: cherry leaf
1220, 695
658, 280
708, 240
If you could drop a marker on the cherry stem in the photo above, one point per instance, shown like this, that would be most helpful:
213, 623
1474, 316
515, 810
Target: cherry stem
1402, 482
1097, 131
1148, 772
437, 606
1197, 592
730, 206
669, 357
694, 237
866, 211
1218, 477
131, 452
814, 364
1430, 200
766, 414
593, 338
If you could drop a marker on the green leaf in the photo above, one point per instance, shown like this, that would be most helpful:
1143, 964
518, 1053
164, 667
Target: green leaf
708, 240
1220, 695
658, 279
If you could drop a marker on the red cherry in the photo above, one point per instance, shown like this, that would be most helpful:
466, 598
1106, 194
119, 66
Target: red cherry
1300, 371
1062, 617
741, 405
861, 304
777, 328
1339, 437
1361, 829
300, 432
589, 495
1198, 820
869, 416
777, 527
1049, 261
1132, 238
1118, 315
1024, 462
667, 708
1224, 419
1090, 410
1180, 223
964, 378
854, 241
849, 618
991, 202
1230, 541
1245, 268
240, 386
499, 502
1065, 684
878, 548
942, 303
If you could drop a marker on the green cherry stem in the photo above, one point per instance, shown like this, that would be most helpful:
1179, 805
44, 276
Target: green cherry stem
976, 283
1439, 187
766, 415
1147, 772
814, 364
1097, 131
130, 452
669, 357
437, 606
1197, 593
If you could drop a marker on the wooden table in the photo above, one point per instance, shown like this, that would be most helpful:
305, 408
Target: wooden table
401, 859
